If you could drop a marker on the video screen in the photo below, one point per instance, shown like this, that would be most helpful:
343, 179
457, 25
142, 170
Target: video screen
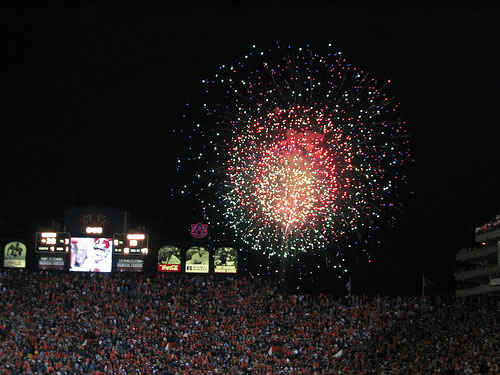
91, 254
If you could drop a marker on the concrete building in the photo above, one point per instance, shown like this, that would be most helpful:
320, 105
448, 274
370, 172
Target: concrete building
478, 267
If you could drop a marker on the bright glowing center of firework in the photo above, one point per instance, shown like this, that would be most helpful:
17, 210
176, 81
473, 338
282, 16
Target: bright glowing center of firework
293, 181
286, 188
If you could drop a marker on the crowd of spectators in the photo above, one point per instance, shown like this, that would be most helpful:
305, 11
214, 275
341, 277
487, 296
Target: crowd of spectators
490, 225
127, 323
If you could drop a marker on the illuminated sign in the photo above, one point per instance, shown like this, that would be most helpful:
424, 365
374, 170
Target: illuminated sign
131, 243
136, 236
93, 223
225, 260
199, 230
130, 264
169, 259
51, 263
197, 260
111, 220
169, 267
52, 242
14, 255
93, 230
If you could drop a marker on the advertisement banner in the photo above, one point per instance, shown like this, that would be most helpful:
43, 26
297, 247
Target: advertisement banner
225, 260
197, 260
51, 262
169, 259
130, 264
14, 255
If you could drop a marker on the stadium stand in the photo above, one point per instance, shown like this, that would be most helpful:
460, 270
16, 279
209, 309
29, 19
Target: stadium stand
126, 323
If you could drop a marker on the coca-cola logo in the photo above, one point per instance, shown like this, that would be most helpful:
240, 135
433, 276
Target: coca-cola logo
169, 267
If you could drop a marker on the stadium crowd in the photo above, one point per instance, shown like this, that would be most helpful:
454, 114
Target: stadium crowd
490, 225
79, 323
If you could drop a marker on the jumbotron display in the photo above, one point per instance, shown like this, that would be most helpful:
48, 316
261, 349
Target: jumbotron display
91, 254
307, 150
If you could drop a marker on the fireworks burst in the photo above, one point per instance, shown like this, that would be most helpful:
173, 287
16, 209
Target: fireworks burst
308, 149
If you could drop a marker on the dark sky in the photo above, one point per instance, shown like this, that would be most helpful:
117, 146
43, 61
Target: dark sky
90, 95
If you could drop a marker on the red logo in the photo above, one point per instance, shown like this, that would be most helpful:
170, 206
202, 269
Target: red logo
199, 230
169, 267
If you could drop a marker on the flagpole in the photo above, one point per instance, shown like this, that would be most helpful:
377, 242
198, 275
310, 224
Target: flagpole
350, 286
423, 286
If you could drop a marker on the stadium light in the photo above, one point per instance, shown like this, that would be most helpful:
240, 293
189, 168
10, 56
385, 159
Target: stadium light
136, 236
49, 235
93, 230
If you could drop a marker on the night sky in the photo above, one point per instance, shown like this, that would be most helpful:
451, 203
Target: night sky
91, 95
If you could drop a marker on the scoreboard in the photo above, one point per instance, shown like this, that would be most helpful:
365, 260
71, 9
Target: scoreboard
52, 242
121, 252
130, 243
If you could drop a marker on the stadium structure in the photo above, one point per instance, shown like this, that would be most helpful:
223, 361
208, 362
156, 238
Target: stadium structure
99, 239
478, 267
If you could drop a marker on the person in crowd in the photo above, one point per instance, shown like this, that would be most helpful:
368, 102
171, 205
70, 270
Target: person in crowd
71, 323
